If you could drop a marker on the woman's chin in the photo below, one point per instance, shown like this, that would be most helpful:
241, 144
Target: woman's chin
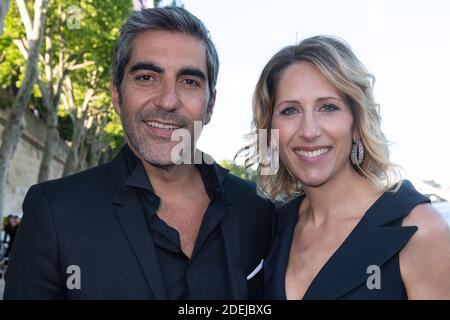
313, 181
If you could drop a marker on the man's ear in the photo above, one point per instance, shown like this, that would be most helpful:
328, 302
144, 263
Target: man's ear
115, 96
210, 108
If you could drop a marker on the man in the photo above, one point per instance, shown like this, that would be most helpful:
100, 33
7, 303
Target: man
143, 227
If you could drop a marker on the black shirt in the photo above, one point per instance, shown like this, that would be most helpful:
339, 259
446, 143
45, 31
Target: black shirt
204, 275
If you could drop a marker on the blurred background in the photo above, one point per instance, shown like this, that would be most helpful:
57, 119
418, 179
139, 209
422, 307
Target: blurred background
56, 116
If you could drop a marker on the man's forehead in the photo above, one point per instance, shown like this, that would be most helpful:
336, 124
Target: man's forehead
168, 49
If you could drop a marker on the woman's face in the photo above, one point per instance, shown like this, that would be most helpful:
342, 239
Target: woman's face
315, 125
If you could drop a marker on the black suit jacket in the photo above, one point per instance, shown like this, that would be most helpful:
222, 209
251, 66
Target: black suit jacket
93, 221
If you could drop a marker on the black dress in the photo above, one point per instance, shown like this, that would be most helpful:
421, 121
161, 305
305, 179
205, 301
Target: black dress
375, 242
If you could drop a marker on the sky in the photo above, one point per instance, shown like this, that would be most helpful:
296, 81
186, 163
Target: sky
404, 44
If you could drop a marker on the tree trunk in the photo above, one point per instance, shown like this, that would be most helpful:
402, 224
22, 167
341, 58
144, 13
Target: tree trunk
106, 154
95, 152
51, 144
97, 141
16, 121
73, 156
4, 7
83, 152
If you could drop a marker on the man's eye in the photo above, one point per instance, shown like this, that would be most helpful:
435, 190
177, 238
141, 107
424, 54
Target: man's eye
289, 111
191, 82
145, 77
328, 107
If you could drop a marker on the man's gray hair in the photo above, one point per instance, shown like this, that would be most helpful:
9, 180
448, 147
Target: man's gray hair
171, 19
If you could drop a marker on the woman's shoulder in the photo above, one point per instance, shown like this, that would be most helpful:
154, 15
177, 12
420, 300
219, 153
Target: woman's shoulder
419, 211
425, 260
428, 220
432, 228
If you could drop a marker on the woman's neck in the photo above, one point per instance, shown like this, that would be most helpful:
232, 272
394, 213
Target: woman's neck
344, 196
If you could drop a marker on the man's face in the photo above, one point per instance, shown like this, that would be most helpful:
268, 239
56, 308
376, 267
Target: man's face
164, 88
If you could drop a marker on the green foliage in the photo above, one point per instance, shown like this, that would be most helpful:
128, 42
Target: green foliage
114, 133
238, 170
99, 24
12, 63
99, 28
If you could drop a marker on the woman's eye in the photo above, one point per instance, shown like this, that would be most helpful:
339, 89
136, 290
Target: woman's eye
289, 111
328, 107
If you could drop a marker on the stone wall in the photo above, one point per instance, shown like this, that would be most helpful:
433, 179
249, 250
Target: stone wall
25, 164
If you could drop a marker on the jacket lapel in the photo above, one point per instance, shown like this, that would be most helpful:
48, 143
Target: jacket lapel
231, 240
276, 263
133, 223
135, 228
129, 212
374, 240
347, 268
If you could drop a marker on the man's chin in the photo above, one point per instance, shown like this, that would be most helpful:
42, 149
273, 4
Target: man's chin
158, 162
164, 166
158, 158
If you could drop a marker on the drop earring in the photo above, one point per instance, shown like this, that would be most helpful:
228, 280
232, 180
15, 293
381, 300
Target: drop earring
357, 154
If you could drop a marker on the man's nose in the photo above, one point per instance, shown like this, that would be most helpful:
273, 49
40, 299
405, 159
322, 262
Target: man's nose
168, 97
310, 127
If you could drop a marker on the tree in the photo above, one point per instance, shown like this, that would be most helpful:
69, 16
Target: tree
16, 120
77, 38
79, 117
55, 69
70, 44
4, 7
86, 92
239, 171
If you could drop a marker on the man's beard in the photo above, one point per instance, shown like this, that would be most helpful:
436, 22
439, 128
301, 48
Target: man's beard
140, 142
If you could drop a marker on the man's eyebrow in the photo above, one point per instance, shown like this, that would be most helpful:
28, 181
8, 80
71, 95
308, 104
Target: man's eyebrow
192, 72
146, 66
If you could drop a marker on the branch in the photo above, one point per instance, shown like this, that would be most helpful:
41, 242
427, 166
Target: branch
40, 8
69, 100
21, 46
25, 15
45, 93
61, 61
48, 61
59, 90
87, 98
41, 59
73, 67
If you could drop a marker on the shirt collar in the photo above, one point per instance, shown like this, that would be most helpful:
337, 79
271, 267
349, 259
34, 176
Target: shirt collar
138, 177
212, 175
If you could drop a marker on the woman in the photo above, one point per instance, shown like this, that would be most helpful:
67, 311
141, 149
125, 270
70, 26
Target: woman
354, 230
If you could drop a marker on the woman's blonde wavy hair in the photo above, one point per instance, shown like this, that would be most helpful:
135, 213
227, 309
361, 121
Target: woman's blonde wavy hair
334, 58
